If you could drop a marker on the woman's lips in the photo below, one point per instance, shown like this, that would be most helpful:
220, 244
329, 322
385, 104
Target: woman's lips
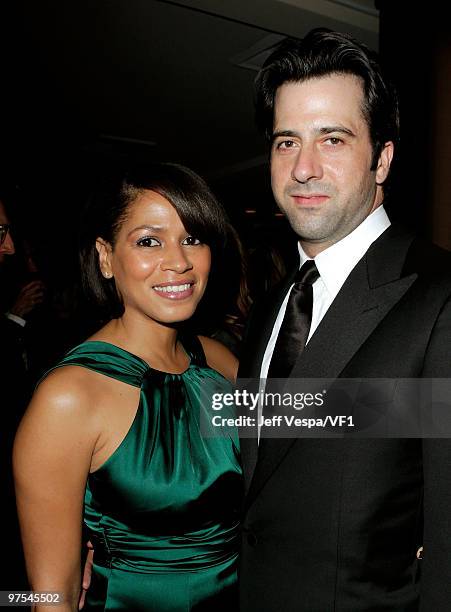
174, 291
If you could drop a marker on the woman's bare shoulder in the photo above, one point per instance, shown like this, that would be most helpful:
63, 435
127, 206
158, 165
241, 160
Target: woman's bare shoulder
220, 358
61, 419
66, 389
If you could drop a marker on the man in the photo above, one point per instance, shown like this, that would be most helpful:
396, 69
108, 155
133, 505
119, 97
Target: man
15, 386
13, 398
13, 319
336, 524
6, 242
11, 325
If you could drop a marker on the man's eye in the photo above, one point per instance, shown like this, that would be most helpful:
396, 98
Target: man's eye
285, 144
148, 241
333, 140
191, 241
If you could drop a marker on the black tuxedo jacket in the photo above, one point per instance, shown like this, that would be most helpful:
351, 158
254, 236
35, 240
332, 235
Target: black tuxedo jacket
334, 524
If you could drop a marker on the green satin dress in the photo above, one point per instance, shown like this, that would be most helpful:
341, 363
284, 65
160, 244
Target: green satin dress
163, 510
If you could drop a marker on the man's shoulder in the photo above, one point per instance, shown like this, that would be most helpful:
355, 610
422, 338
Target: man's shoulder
428, 260
415, 254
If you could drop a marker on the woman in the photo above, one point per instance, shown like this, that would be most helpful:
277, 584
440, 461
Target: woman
115, 427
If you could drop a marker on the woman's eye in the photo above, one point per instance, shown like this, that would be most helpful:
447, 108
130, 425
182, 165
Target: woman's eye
148, 241
191, 241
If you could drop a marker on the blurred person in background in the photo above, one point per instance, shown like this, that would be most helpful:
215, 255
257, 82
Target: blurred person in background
236, 296
16, 303
20, 296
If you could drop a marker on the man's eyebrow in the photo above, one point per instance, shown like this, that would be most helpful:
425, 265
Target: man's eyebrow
279, 133
328, 129
340, 129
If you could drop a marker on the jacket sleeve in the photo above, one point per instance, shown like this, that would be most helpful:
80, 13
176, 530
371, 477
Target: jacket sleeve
436, 562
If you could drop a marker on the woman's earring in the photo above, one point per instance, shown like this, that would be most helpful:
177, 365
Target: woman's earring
107, 275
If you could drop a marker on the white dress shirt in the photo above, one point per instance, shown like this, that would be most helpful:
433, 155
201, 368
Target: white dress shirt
334, 266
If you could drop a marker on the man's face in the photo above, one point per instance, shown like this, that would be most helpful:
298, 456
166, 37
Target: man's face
7, 247
321, 158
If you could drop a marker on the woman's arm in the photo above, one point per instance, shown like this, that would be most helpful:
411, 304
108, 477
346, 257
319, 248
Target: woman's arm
220, 358
52, 457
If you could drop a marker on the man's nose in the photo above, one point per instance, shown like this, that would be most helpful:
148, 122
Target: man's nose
307, 164
7, 246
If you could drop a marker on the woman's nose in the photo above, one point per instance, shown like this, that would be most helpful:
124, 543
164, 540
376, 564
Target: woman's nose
175, 258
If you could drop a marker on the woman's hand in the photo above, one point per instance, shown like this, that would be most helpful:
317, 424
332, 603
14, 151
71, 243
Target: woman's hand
87, 572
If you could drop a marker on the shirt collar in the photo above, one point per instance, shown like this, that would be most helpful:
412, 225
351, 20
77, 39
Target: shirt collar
336, 262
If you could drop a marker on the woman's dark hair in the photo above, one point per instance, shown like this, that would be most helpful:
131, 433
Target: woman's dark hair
107, 209
320, 53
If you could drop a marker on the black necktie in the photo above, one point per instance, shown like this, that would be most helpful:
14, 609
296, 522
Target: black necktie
295, 326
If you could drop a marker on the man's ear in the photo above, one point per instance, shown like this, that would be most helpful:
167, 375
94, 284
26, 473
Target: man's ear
105, 251
385, 159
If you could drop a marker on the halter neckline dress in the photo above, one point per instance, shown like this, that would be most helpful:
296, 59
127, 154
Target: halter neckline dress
163, 510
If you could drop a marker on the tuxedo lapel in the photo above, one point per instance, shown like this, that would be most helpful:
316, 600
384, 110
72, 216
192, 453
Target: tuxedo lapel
260, 325
372, 289
357, 310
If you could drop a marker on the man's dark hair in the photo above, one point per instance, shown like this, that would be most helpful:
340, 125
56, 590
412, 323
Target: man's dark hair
107, 209
323, 52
